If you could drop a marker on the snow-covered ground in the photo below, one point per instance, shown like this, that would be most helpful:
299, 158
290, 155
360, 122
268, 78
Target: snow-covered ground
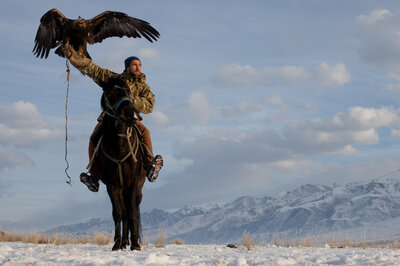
17, 253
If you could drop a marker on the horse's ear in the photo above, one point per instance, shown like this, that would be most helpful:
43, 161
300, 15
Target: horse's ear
103, 102
104, 85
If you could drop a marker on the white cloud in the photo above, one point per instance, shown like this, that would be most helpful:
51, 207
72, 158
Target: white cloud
287, 75
220, 159
241, 109
199, 107
11, 159
158, 118
308, 137
281, 114
353, 172
337, 134
226, 156
335, 76
380, 39
395, 133
235, 75
300, 167
346, 150
394, 86
194, 112
112, 60
355, 118
270, 109
275, 100
373, 117
374, 17
112, 54
176, 165
148, 53
21, 125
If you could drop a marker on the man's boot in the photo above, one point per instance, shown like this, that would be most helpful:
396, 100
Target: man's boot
154, 168
91, 181
151, 164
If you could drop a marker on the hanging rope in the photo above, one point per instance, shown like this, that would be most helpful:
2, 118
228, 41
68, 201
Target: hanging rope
66, 127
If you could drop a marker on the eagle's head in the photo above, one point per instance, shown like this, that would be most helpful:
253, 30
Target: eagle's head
80, 21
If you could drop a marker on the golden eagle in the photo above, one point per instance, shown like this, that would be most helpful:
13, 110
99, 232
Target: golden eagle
56, 30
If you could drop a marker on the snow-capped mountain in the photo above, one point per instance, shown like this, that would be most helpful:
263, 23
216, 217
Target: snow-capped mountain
306, 210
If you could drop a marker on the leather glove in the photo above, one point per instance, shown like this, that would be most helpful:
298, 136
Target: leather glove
77, 59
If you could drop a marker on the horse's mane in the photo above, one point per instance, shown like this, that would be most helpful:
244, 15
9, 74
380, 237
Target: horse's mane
103, 102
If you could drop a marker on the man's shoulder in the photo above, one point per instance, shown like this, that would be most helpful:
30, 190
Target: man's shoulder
132, 78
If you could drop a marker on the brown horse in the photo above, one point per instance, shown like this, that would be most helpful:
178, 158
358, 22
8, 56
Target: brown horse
120, 154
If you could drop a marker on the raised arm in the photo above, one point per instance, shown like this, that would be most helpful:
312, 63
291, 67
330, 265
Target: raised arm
87, 67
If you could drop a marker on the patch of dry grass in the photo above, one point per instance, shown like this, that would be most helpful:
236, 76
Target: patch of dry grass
177, 241
307, 241
2, 235
344, 242
277, 240
102, 239
144, 241
56, 239
248, 240
335, 242
159, 241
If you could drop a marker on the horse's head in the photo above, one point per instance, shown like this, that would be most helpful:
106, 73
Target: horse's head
116, 101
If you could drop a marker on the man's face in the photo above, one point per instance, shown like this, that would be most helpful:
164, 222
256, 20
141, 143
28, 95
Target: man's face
135, 67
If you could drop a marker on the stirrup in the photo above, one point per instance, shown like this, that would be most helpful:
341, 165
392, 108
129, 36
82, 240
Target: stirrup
155, 168
91, 182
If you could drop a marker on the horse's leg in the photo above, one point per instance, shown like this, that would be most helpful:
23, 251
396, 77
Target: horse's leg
134, 215
133, 219
125, 228
117, 202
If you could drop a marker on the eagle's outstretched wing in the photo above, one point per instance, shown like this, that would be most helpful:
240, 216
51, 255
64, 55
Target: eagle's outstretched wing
113, 24
49, 34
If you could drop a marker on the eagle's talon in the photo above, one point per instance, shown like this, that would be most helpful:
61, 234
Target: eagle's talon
67, 52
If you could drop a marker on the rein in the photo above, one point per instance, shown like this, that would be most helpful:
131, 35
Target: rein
66, 127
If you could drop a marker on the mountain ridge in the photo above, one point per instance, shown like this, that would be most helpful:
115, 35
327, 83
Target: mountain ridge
308, 209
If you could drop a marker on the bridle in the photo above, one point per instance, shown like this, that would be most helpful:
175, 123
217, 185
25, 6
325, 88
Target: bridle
112, 110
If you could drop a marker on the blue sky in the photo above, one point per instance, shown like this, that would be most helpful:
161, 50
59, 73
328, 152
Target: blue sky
252, 97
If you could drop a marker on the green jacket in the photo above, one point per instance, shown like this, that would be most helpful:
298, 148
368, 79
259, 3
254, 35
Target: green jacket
142, 97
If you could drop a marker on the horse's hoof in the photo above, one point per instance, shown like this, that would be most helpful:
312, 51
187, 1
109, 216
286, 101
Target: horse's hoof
136, 247
117, 245
125, 242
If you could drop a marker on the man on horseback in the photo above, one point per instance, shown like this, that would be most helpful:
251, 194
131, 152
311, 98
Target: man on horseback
143, 101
